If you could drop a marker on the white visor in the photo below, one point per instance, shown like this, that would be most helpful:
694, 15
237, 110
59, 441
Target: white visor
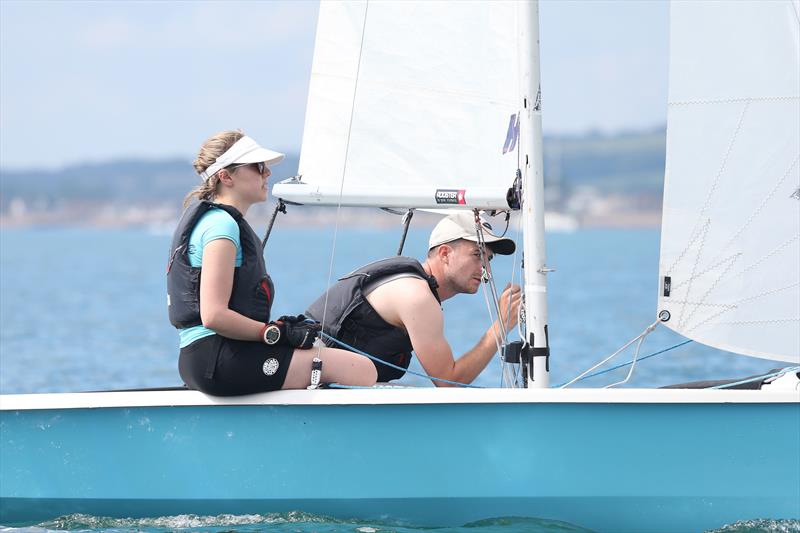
245, 150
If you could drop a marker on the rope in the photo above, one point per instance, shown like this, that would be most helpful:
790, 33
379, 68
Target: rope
516, 370
631, 362
521, 308
765, 376
499, 339
642, 335
346, 346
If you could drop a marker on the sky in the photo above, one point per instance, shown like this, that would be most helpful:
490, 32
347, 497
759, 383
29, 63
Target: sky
97, 81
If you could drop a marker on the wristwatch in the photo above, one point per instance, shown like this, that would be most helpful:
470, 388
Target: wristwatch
272, 334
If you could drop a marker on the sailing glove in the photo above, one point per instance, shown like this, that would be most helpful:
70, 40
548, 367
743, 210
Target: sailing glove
298, 331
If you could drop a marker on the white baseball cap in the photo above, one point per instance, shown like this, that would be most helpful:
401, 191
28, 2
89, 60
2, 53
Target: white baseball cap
243, 151
461, 225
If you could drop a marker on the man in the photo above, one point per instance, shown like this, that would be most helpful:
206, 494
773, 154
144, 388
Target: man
391, 307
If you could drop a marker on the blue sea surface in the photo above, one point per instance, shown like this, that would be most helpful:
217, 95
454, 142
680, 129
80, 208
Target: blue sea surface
85, 309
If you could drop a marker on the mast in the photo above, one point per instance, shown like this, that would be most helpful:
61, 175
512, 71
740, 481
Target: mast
535, 273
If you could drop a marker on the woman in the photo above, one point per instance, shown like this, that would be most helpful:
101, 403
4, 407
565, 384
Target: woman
220, 295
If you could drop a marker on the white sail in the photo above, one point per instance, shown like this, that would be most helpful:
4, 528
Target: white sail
730, 248
410, 105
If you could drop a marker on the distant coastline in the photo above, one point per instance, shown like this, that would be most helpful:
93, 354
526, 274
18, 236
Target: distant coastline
162, 217
593, 180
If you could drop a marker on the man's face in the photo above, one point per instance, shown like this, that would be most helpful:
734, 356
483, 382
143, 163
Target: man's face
465, 271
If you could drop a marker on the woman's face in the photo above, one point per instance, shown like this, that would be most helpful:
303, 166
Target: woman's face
251, 181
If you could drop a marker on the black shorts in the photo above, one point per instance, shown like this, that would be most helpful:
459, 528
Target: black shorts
225, 367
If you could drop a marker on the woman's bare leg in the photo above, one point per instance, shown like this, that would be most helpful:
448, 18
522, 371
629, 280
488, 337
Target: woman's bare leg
338, 366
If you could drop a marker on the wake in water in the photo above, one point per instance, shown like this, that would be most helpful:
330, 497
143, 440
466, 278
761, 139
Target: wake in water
300, 522
292, 522
761, 526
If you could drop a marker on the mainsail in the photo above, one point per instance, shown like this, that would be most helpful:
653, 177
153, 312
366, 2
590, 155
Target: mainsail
411, 104
730, 248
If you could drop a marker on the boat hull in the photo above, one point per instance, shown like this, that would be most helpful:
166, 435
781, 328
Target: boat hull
608, 466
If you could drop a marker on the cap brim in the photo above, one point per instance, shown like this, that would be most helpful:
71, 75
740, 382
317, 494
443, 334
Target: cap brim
499, 245
260, 155
502, 246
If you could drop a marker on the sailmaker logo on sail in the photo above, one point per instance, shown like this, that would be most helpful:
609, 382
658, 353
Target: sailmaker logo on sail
451, 196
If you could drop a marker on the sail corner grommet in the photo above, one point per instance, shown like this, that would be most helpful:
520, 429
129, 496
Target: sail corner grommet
664, 315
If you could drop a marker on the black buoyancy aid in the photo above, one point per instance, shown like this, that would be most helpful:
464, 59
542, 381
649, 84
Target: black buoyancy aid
351, 319
252, 293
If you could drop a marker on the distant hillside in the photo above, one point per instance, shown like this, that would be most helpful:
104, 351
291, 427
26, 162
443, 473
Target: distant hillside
585, 176
630, 162
118, 182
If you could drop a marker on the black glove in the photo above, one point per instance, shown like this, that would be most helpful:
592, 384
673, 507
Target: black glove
298, 331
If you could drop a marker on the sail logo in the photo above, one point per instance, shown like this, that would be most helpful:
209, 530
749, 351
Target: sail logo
512, 135
667, 286
451, 196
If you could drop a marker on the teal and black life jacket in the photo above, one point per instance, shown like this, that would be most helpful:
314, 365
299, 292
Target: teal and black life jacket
252, 293
350, 318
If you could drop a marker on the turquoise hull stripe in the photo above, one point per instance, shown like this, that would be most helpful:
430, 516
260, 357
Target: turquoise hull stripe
607, 467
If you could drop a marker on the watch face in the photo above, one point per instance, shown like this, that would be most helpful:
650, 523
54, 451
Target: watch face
272, 335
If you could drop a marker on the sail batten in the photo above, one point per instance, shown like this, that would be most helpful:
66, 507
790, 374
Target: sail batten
730, 248
414, 98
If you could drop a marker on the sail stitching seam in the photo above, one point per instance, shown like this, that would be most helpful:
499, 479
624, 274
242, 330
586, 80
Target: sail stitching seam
773, 252
712, 287
704, 232
771, 321
713, 189
727, 306
735, 305
758, 210
718, 264
735, 100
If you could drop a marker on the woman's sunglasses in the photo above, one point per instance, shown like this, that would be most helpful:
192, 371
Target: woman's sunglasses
260, 167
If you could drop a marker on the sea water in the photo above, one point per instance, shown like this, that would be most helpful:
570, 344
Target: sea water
85, 309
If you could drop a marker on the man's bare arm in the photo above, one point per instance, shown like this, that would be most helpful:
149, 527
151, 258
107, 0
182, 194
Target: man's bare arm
409, 303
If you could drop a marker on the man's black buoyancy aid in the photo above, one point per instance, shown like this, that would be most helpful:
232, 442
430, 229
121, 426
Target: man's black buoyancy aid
252, 293
351, 319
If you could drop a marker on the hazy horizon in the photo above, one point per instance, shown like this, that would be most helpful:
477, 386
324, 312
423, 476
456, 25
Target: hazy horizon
295, 152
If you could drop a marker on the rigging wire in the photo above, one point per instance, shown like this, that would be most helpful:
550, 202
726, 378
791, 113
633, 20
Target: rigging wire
520, 310
344, 173
488, 279
487, 271
509, 375
346, 346
633, 361
642, 335
497, 340
622, 365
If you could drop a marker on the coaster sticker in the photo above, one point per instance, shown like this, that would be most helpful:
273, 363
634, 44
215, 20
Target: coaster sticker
451, 196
